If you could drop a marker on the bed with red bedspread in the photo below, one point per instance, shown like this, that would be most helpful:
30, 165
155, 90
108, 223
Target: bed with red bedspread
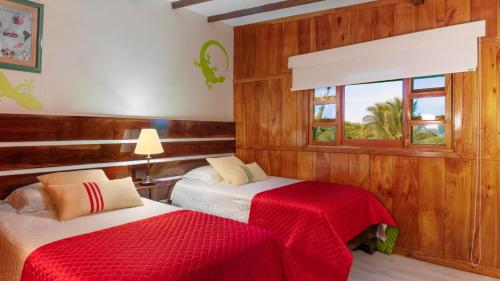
313, 221
181, 245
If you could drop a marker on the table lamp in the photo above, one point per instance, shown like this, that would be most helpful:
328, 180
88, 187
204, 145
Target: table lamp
148, 143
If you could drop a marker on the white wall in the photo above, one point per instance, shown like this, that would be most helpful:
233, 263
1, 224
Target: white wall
127, 58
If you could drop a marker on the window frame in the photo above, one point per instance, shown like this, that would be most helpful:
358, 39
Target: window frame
405, 141
334, 123
445, 92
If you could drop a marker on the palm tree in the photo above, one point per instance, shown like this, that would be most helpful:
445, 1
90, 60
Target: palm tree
385, 120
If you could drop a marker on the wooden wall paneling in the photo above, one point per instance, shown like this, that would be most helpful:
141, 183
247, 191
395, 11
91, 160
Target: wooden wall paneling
275, 163
498, 19
239, 113
490, 212
262, 42
240, 153
457, 11
496, 98
361, 25
268, 49
249, 52
383, 22
489, 93
305, 165
497, 235
431, 184
25, 127
255, 95
426, 17
359, 170
289, 126
238, 71
485, 10
250, 156
13, 158
290, 43
321, 167
322, 32
274, 49
339, 168
289, 164
381, 178
302, 117
305, 36
262, 158
465, 113
340, 29
458, 198
405, 18
405, 200
274, 111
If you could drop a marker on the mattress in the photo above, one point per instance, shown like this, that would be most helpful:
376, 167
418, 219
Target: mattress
21, 234
222, 199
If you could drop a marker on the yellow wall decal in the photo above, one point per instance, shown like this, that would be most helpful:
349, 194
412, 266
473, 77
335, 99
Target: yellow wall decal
20, 93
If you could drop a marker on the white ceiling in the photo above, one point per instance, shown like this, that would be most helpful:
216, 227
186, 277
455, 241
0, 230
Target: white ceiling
215, 7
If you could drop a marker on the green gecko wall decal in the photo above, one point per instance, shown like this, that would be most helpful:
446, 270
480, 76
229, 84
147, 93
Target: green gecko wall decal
20, 93
209, 71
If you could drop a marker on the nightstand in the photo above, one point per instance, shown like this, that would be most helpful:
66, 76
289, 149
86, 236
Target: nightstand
160, 191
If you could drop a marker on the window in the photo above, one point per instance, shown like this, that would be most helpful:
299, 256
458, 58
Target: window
324, 115
428, 107
373, 111
411, 112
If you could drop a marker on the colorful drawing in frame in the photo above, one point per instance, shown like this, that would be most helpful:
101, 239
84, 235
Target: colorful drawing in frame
21, 25
205, 64
20, 93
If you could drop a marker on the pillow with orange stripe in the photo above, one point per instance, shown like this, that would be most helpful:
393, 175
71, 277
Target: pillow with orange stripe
76, 200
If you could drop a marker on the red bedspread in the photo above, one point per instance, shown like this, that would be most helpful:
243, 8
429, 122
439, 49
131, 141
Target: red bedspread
182, 245
313, 221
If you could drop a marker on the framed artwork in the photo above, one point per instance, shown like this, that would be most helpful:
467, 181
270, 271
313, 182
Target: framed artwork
21, 25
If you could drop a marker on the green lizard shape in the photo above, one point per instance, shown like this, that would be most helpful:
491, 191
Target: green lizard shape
20, 93
204, 64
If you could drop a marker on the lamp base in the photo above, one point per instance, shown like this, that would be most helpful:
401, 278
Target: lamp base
147, 182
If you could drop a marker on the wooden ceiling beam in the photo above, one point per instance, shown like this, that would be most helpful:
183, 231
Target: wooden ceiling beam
260, 9
184, 3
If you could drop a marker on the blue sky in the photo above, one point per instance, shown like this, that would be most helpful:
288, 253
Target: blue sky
359, 97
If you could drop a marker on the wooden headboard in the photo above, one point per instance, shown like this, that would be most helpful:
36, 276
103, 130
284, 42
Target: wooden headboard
31, 145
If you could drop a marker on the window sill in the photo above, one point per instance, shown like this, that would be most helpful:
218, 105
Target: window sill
390, 151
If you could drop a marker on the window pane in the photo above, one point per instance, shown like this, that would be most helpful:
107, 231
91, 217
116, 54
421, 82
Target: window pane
325, 112
325, 94
428, 134
431, 82
374, 111
428, 108
326, 134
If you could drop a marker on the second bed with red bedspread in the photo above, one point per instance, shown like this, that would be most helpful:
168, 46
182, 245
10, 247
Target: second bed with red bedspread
313, 221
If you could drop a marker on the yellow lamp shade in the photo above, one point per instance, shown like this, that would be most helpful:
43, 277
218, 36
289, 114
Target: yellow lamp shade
148, 143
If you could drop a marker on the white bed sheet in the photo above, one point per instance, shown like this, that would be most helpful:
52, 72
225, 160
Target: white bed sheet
222, 199
21, 234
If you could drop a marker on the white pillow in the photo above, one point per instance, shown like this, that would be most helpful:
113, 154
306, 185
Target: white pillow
30, 199
205, 173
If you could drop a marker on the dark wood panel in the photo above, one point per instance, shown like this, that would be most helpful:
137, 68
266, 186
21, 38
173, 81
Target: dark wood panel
12, 158
18, 127
158, 170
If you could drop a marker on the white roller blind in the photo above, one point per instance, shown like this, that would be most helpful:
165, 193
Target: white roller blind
437, 51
